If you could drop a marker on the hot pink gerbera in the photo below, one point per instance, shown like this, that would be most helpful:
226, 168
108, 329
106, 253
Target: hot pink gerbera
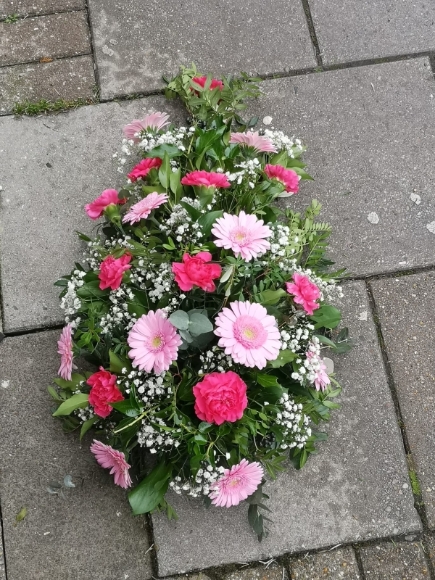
251, 139
206, 179
215, 83
321, 380
65, 344
96, 208
114, 460
248, 334
141, 170
143, 208
289, 178
304, 292
154, 343
155, 121
236, 484
243, 234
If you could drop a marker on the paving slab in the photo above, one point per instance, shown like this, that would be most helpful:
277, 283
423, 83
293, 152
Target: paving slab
54, 36
136, 42
38, 7
2, 560
394, 561
370, 133
68, 79
331, 565
349, 30
51, 166
406, 308
431, 548
87, 532
352, 490
263, 572
200, 576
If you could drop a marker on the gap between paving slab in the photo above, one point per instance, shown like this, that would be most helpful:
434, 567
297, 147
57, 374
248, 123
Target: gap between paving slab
38, 7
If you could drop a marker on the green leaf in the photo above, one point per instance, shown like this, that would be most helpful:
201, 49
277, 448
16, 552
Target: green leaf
326, 317
207, 220
227, 273
80, 400
87, 425
21, 515
175, 184
180, 319
272, 296
267, 380
170, 150
325, 340
127, 407
117, 363
165, 171
148, 494
76, 378
199, 324
91, 290
284, 357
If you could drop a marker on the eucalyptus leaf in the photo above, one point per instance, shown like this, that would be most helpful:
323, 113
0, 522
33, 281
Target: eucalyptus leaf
199, 324
180, 319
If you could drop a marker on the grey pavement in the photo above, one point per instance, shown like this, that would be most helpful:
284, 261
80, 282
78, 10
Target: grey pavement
326, 565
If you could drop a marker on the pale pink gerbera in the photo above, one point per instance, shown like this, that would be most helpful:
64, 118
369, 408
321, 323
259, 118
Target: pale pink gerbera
244, 234
251, 139
206, 179
154, 121
236, 484
114, 460
248, 334
65, 345
318, 368
144, 207
154, 343
289, 178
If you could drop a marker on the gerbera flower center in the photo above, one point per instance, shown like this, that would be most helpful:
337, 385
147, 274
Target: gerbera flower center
157, 343
249, 332
240, 236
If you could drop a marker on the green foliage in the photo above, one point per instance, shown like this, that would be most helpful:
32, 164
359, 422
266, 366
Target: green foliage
150, 492
43, 106
11, 19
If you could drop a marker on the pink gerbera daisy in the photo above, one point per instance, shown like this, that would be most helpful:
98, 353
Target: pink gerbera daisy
215, 83
206, 179
248, 334
236, 484
251, 139
143, 208
289, 178
243, 234
65, 345
141, 170
304, 292
114, 460
155, 121
154, 343
321, 378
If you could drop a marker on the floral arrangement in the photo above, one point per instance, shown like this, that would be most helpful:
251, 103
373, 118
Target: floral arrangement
204, 306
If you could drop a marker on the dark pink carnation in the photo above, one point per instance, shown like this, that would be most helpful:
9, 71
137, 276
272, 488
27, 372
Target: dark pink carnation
215, 83
195, 271
142, 169
111, 271
103, 392
288, 177
206, 179
304, 292
97, 207
220, 397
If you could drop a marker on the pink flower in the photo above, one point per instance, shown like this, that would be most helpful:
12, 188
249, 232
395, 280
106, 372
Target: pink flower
65, 345
103, 392
248, 334
236, 484
97, 207
206, 179
215, 83
143, 208
155, 121
243, 234
251, 139
220, 397
114, 460
289, 178
154, 343
321, 379
305, 292
141, 170
194, 271
112, 270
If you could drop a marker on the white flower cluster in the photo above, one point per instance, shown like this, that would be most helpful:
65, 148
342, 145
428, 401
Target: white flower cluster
84, 414
295, 338
312, 367
281, 141
282, 246
180, 224
172, 137
205, 476
248, 170
70, 302
214, 360
147, 387
294, 423
118, 314
156, 439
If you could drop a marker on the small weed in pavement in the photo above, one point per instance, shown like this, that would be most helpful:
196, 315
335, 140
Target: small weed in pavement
11, 19
44, 106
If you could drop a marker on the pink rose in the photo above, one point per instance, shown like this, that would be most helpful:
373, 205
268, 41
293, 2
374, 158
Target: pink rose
111, 271
215, 83
103, 391
142, 169
97, 207
220, 397
194, 271
305, 292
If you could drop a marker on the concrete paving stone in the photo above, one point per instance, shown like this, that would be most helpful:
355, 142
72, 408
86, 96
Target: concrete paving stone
136, 42
394, 561
407, 315
264, 572
51, 167
352, 490
54, 36
69, 79
87, 532
200, 576
370, 133
350, 30
38, 7
332, 565
431, 545
2, 561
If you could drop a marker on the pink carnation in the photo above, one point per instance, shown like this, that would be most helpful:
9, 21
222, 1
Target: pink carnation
289, 178
103, 392
155, 121
114, 460
195, 271
97, 207
304, 292
141, 170
220, 397
206, 179
112, 270
243, 234
236, 484
65, 349
251, 139
215, 83
142, 209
